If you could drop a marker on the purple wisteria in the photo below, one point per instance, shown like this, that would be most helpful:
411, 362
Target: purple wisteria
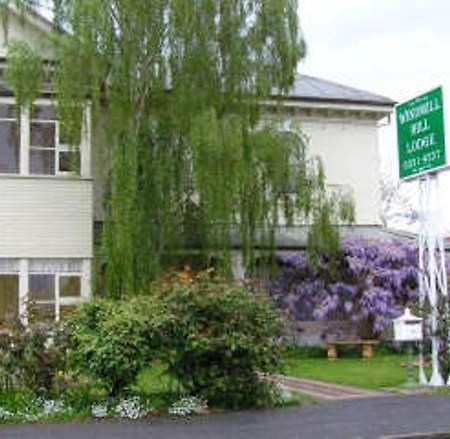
368, 283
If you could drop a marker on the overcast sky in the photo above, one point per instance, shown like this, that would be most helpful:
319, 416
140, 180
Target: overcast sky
397, 48
394, 47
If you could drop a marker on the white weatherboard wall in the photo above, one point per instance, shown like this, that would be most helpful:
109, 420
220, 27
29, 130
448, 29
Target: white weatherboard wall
349, 150
34, 30
45, 217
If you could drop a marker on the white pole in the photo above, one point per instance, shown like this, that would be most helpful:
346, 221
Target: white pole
435, 271
423, 381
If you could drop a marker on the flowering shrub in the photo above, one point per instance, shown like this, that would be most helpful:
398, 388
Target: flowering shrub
132, 408
368, 282
51, 406
187, 406
99, 410
23, 406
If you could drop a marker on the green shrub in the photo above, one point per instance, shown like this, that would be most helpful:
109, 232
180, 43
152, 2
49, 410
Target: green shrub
214, 336
223, 338
112, 341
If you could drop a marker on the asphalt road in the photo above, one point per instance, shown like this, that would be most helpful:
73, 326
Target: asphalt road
368, 418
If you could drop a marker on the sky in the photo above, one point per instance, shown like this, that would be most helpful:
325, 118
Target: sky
396, 48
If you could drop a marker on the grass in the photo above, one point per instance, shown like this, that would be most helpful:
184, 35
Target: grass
385, 370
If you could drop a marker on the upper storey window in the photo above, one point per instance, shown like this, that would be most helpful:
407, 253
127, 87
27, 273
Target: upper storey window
43, 141
49, 153
9, 140
36, 143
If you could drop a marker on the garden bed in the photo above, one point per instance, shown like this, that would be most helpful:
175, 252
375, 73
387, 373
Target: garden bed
153, 394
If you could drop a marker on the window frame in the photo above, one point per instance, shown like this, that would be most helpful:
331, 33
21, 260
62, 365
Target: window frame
62, 148
17, 274
58, 300
24, 120
59, 147
18, 121
43, 148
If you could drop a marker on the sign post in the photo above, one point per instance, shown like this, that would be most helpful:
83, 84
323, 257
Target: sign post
422, 154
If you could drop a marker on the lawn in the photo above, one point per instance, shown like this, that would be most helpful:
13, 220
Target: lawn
384, 370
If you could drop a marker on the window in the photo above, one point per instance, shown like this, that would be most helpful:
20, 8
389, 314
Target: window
68, 155
43, 141
9, 292
9, 299
42, 295
53, 149
54, 287
9, 140
49, 155
69, 286
68, 161
53, 294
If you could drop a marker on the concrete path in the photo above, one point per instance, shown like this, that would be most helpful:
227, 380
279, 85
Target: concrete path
325, 391
344, 419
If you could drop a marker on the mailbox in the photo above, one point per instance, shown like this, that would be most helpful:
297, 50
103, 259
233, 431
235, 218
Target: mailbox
407, 327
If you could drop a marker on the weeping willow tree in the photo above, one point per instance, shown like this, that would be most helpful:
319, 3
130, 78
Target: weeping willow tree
178, 89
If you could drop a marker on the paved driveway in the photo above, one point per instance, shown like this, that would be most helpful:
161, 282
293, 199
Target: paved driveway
366, 418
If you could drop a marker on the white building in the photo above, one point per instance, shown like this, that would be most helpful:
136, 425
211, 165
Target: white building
47, 211
341, 126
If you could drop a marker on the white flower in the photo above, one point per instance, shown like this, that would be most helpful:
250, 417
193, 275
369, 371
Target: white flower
99, 410
5, 414
187, 406
131, 408
51, 407
37, 409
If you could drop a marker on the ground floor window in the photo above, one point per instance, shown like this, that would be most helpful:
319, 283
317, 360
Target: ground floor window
53, 286
9, 292
40, 288
9, 299
54, 294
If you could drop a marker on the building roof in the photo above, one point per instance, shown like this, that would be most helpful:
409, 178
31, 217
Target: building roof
310, 88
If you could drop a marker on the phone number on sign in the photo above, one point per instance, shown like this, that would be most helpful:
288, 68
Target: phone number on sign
421, 161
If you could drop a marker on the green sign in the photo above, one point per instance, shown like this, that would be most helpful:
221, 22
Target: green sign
421, 135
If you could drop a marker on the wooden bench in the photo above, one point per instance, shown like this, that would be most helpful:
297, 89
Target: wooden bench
367, 347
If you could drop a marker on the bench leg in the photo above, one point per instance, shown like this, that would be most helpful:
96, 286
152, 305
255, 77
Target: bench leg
332, 352
367, 351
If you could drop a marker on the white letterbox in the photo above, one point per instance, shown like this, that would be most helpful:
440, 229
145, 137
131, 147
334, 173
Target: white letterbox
407, 327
